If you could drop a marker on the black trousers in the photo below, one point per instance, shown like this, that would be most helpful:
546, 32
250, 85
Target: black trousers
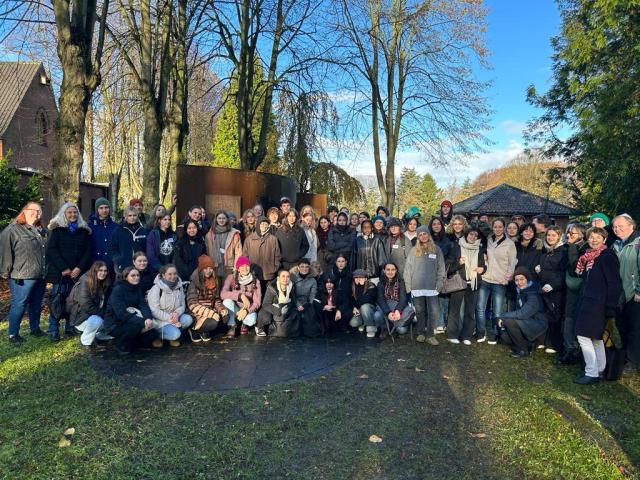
628, 323
462, 330
127, 336
512, 335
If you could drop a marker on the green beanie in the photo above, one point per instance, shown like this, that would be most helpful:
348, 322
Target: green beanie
101, 202
601, 216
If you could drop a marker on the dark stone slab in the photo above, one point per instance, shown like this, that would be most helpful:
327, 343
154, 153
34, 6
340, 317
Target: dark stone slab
223, 365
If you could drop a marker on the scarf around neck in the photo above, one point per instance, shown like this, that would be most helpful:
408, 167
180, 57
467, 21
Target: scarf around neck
171, 285
586, 261
284, 296
245, 279
470, 253
73, 226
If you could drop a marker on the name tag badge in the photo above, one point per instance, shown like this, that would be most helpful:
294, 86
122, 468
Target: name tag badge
222, 251
395, 246
433, 255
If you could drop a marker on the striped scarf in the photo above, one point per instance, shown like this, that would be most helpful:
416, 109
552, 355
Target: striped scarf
586, 261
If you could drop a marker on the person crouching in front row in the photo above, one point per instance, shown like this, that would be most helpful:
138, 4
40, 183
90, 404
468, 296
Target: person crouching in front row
242, 296
279, 313
203, 301
528, 323
166, 300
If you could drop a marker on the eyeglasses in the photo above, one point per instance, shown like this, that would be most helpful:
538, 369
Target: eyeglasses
37, 210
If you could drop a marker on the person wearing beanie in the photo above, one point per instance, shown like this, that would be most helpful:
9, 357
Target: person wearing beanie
305, 284
446, 212
368, 252
364, 295
241, 295
601, 220
526, 325
102, 228
263, 250
340, 239
203, 301
396, 245
379, 226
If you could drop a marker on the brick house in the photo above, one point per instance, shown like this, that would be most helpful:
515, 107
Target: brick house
28, 113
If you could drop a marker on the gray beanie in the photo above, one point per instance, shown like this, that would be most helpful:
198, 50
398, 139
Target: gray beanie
102, 202
360, 273
423, 229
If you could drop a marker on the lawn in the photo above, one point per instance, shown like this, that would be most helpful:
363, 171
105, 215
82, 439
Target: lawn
445, 412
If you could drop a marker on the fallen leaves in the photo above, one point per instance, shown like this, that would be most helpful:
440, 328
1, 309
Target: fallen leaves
375, 439
585, 397
417, 369
401, 360
364, 376
64, 440
478, 435
70, 431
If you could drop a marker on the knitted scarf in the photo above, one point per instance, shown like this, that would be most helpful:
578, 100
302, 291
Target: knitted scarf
284, 296
245, 279
469, 251
392, 289
171, 285
323, 236
586, 261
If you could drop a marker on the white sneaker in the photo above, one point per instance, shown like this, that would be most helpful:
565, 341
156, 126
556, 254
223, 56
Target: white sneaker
467, 342
549, 350
260, 332
482, 339
361, 328
453, 340
439, 329
492, 342
540, 347
371, 334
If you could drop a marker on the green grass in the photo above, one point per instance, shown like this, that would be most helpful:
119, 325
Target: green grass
472, 413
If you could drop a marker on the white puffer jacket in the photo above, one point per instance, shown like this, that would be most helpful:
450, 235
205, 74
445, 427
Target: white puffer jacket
163, 301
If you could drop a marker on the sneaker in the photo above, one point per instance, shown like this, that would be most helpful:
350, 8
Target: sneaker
466, 342
361, 329
540, 347
174, 343
231, 333
204, 337
89, 348
37, 333
586, 380
260, 332
421, 338
433, 341
244, 329
196, 337
16, 339
157, 343
492, 342
453, 340
55, 337
482, 339
520, 354
549, 350
439, 329
371, 334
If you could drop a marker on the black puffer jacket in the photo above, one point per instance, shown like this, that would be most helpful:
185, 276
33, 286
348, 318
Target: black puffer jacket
22, 253
293, 245
125, 295
66, 251
553, 265
340, 241
81, 304
529, 256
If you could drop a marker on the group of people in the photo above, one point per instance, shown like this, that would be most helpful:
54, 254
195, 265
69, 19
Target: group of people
285, 273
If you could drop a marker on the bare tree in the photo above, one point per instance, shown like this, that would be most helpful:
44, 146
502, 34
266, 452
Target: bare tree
410, 63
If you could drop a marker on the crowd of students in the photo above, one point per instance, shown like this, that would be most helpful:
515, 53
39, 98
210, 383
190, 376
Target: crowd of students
140, 282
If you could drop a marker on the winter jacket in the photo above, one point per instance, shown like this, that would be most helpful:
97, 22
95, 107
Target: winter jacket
340, 241
160, 247
81, 304
342, 279
66, 251
574, 252
232, 248
340, 300
443, 243
264, 253
361, 296
553, 265
23, 253
599, 295
529, 256
312, 238
202, 302
501, 260
283, 315
629, 256
101, 232
293, 245
397, 250
529, 315
185, 256
383, 301
126, 240
164, 300
147, 278
368, 255
232, 290
306, 288
126, 295
426, 272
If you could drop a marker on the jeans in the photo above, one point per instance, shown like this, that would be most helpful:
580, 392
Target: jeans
171, 332
441, 320
249, 320
366, 317
54, 323
89, 328
497, 294
594, 356
427, 313
401, 325
25, 293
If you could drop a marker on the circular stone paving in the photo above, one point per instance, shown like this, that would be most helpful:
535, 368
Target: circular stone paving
222, 365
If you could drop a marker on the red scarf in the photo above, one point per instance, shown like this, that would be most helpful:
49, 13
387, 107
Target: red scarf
586, 261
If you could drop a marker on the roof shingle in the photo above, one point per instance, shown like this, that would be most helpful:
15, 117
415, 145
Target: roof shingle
15, 78
508, 200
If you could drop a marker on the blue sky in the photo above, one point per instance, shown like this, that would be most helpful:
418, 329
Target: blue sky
518, 38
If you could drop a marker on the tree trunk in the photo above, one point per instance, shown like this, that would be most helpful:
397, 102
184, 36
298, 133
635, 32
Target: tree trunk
151, 166
91, 165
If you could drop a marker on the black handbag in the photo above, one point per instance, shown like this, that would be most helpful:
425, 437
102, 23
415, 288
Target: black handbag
615, 356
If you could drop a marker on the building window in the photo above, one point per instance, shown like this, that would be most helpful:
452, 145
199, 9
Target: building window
42, 126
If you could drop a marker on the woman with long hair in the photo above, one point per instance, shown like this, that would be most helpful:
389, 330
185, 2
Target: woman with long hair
161, 242
248, 224
322, 232
292, 239
188, 249
68, 257
242, 296
273, 214
87, 302
457, 228
392, 301
278, 313
223, 245
23, 248
424, 275
368, 252
204, 302
308, 224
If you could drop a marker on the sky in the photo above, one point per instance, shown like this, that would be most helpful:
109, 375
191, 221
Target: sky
518, 38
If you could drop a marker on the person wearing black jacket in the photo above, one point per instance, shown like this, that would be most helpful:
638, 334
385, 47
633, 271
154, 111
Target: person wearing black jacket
147, 272
278, 313
340, 238
525, 326
528, 252
128, 317
551, 273
292, 239
128, 238
368, 252
188, 249
69, 256
340, 273
392, 301
364, 295
87, 302
333, 306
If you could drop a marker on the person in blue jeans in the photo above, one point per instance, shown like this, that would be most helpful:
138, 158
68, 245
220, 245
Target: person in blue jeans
23, 247
364, 295
68, 257
501, 263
